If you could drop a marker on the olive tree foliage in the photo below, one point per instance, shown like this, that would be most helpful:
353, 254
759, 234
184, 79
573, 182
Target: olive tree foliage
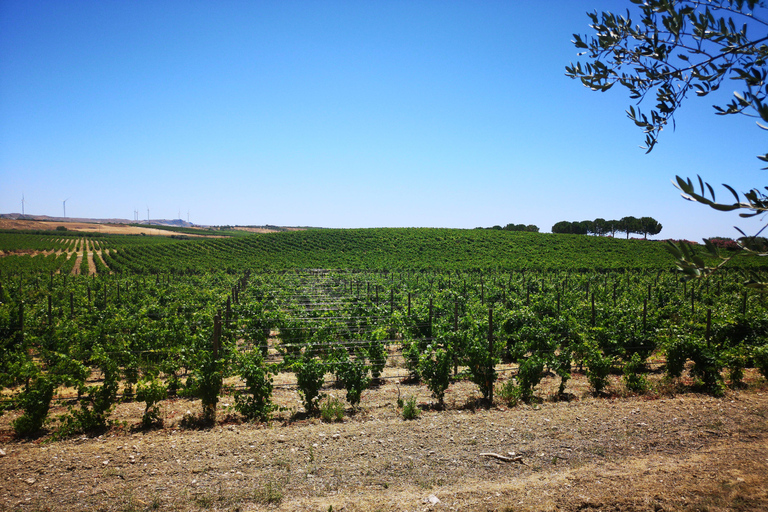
677, 48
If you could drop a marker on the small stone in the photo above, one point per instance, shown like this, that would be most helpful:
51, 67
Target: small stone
433, 500
30, 481
2, 452
336, 436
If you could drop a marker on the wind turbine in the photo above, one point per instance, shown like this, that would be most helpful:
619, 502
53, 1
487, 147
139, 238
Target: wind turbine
22, 203
64, 202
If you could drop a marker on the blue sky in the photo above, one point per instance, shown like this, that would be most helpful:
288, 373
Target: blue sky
339, 114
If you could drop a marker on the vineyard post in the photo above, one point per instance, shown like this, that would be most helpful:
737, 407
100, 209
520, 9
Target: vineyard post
649, 291
216, 334
490, 354
430, 317
391, 301
21, 322
50, 287
709, 324
527, 295
50, 310
228, 311
645, 312
693, 299
409, 304
593, 309
89, 296
482, 292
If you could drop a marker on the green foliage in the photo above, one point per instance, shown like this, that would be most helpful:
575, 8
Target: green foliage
598, 369
255, 403
411, 411
482, 367
529, 375
332, 409
760, 355
634, 377
509, 393
675, 49
435, 368
353, 375
207, 383
96, 401
151, 391
310, 374
706, 358
35, 400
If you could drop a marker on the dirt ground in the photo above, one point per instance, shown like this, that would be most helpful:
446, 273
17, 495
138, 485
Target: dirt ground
662, 451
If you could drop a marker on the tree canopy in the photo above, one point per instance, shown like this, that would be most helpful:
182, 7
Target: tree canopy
643, 226
673, 49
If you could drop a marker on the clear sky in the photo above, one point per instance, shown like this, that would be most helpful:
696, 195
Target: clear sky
339, 114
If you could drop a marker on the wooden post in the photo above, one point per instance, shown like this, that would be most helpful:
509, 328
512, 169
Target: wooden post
430, 317
216, 334
409, 304
693, 299
228, 311
645, 312
490, 353
21, 321
455, 328
482, 292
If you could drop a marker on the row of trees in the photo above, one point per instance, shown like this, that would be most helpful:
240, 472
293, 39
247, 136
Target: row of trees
643, 226
531, 228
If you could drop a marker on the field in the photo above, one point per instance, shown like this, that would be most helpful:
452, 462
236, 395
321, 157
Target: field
376, 369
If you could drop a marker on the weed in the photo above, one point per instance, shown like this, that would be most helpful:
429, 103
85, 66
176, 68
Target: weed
509, 393
410, 409
332, 409
270, 493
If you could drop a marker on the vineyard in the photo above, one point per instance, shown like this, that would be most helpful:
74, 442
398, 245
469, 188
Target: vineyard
88, 323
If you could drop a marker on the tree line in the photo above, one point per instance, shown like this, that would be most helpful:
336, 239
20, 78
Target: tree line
643, 226
531, 228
